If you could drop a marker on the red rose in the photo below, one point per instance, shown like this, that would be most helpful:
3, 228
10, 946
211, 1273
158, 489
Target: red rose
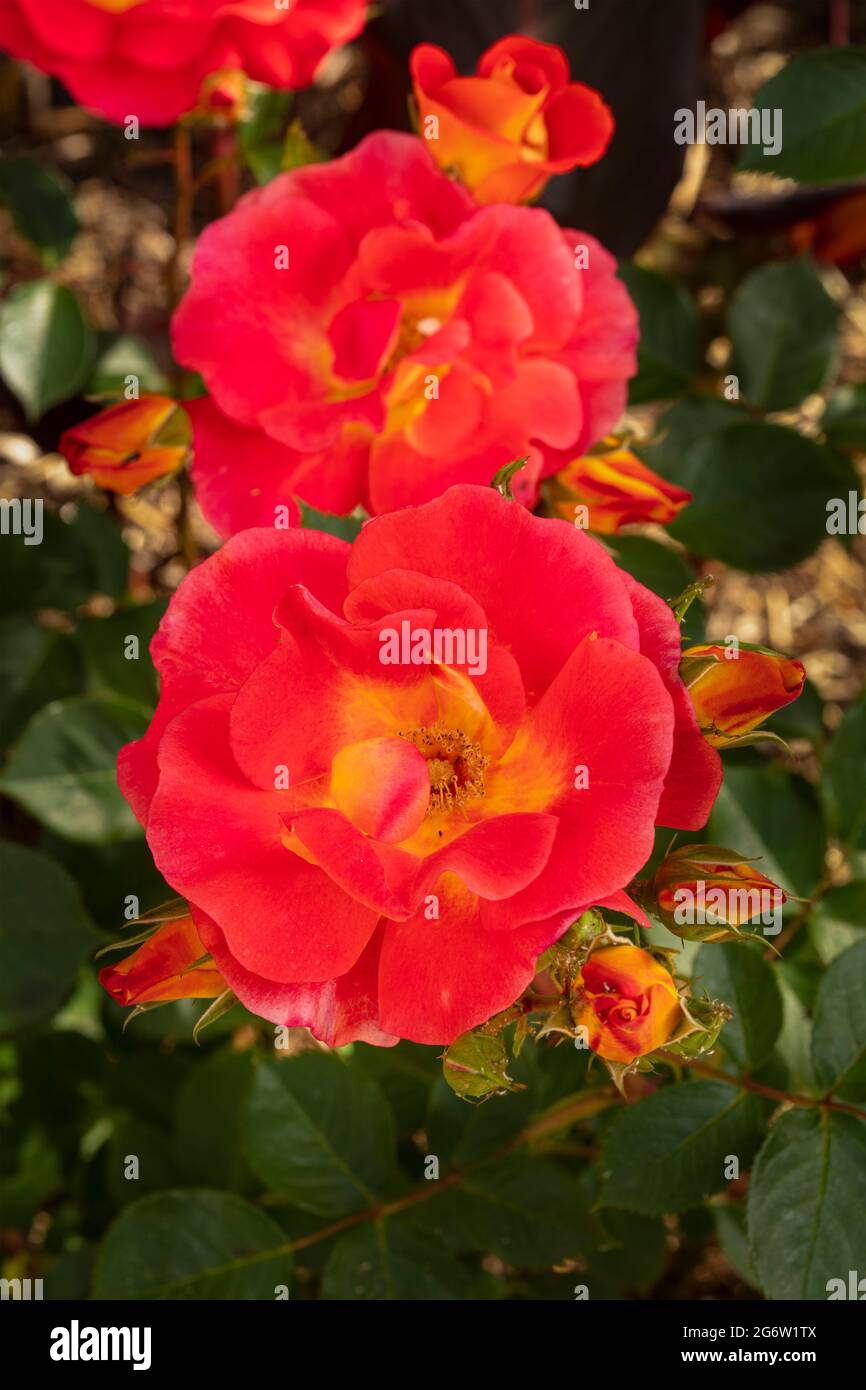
375, 845
368, 335
148, 58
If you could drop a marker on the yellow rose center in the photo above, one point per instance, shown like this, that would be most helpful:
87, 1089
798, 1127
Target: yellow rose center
455, 764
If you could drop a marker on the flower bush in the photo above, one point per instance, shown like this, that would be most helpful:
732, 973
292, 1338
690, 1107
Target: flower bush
432, 729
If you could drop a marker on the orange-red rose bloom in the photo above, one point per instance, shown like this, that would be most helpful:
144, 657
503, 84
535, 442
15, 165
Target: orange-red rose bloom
164, 967
617, 490
733, 695
378, 845
148, 58
121, 448
516, 122
369, 336
626, 1001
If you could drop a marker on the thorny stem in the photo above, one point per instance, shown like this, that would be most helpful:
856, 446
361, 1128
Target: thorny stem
748, 1084
556, 1119
559, 1117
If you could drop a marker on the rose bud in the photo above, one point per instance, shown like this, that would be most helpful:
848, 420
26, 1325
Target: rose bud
702, 891
516, 122
627, 1002
734, 690
164, 967
129, 444
224, 97
616, 490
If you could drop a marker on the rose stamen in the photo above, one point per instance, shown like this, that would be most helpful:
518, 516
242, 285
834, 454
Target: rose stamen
455, 764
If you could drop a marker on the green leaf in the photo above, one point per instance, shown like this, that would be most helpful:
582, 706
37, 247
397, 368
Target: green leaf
794, 1045
771, 816
40, 203
122, 355
320, 1133
104, 644
782, 323
806, 1226
529, 1211
36, 665
838, 919
664, 570
670, 335
738, 974
63, 769
78, 558
839, 1027
137, 1138
406, 1074
668, 1152
734, 1240
45, 934
777, 478
46, 345
262, 133
391, 1259
37, 1175
844, 421
686, 423
346, 527
822, 97
461, 1134
843, 786
632, 1256
192, 1244
209, 1131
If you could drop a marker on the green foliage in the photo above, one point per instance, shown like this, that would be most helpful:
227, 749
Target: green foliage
822, 98
346, 527
683, 1135
783, 326
44, 935
319, 1133
843, 785
364, 1174
46, 345
192, 1244
63, 769
669, 349
778, 478
737, 973
805, 1225
40, 203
